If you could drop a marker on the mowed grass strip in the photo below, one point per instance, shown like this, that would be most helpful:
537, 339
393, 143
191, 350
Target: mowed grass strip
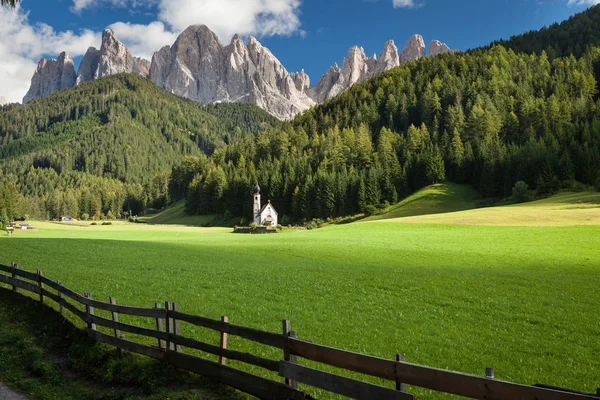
523, 300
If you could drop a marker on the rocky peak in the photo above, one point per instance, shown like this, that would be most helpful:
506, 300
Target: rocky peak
88, 65
436, 47
388, 59
198, 67
115, 58
301, 80
414, 49
50, 76
112, 58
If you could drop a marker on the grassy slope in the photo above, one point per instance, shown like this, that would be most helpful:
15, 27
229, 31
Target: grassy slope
561, 209
175, 215
521, 299
434, 199
47, 359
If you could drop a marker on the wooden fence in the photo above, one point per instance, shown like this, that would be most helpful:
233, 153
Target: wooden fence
170, 344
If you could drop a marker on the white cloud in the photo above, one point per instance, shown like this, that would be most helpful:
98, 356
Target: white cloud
80, 5
583, 2
227, 17
23, 44
143, 40
224, 17
406, 4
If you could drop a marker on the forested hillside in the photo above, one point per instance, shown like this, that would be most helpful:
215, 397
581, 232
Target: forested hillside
571, 37
108, 146
489, 118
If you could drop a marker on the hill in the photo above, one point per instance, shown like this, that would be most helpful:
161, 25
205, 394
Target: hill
571, 37
558, 210
434, 199
110, 142
175, 215
486, 119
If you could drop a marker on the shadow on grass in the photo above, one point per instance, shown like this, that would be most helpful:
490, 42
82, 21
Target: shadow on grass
44, 356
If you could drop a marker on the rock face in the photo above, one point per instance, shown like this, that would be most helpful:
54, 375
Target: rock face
50, 76
88, 66
200, 68
356, 68
436, 47
112, 58
197, 66
414, 49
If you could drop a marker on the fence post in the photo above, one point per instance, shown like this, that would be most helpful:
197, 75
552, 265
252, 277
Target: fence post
399, 385
176, 328
169, 323
287, 333
222, 359
489, 373
14, 276
89, 310
160, 327
62, 299
41, 286
115, 318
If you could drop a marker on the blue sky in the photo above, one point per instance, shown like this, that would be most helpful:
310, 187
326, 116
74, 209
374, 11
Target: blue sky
303, 34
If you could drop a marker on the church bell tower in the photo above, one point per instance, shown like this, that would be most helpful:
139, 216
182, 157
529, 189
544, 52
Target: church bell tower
257, 205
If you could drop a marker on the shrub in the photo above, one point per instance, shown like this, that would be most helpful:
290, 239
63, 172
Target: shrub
85, 216
253, 225
371, 210
520, 192
314, 224
94, 223
107, 223
279, 227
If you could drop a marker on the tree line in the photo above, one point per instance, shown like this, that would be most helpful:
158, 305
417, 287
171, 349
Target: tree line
489, 118
107, 146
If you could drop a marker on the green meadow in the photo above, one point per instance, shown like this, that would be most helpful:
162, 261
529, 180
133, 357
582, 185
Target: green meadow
520, 297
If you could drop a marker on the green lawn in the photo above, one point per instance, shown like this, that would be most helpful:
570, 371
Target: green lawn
522, 299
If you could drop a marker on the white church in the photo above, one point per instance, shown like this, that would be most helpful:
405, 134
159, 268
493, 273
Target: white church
265, 215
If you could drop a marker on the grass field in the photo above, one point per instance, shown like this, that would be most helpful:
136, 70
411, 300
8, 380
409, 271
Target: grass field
522, 299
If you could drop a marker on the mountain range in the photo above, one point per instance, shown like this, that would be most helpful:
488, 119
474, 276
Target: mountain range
199, 67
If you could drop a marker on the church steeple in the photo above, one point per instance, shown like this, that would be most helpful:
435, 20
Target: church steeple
257, 204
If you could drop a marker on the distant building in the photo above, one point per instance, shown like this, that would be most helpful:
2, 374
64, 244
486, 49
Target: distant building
265, 215
68, 218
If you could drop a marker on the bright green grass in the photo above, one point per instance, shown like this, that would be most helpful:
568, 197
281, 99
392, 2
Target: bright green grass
176, 215
524, 300
434, 199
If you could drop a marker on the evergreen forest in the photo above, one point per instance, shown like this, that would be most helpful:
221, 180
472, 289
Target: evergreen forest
526, 109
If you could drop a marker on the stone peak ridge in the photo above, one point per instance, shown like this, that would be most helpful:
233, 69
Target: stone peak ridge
199, 67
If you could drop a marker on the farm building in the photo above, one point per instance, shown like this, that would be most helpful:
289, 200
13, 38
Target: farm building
68, 218
265, 215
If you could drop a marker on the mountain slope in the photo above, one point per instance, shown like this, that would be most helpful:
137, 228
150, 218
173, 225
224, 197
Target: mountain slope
122, 129
571, 37
488, 119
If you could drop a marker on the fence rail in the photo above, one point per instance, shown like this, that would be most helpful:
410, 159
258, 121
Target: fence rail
170, 341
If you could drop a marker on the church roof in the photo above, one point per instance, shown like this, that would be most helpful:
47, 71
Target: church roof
265, 206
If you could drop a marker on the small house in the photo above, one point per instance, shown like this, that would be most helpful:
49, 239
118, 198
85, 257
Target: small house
68, 218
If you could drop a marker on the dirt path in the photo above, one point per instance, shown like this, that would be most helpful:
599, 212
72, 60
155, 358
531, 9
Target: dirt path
7, 394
